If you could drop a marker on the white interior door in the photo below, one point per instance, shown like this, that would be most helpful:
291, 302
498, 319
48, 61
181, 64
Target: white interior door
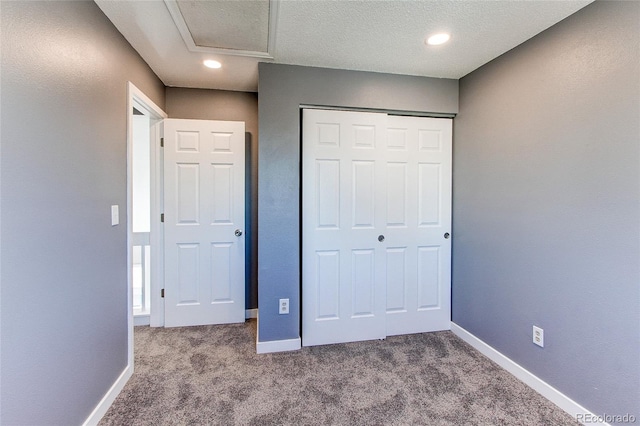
343, 273
376, 208
203, 222
418, 223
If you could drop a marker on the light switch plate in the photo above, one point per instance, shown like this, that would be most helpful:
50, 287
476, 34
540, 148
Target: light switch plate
115, 215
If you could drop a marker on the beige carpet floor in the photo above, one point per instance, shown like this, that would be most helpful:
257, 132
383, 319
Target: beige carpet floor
211, 375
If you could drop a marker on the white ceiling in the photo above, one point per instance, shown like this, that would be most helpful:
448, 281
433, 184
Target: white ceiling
382, 36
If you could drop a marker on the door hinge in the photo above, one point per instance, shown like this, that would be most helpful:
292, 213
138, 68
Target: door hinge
162, 293
162, 217
161, 142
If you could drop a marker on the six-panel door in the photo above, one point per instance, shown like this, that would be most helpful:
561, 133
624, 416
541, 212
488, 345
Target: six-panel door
375, 210
343, 275
417, 217
203, 208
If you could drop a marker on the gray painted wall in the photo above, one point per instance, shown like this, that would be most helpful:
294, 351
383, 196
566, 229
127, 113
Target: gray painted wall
547, 206
205, 104
64, 268
283, 88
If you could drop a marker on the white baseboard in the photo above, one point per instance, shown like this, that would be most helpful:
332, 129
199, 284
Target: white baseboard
278, 346
574, 409
102, 407
251, 313
141, 320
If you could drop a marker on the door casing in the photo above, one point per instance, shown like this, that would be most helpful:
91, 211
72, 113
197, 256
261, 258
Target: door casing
135, 97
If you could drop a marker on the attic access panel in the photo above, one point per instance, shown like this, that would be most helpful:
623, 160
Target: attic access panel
223, 24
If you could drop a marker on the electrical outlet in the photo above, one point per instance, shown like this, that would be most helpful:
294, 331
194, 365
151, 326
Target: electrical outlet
283, 306
538, 336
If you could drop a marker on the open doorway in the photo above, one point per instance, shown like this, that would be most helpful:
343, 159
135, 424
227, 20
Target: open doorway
141, 214
144, 199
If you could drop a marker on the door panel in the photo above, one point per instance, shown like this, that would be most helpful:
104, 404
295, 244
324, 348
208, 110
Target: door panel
426, 287
221, 261
327, 196
363, 282
222, 208
327, 287
343, 291
188, 276
203, 206
367, 175
187, 187
428, 273
397, 195
362, 204
396, 279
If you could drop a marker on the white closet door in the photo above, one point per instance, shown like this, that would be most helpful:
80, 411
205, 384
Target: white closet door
376, 214
418, 223
343, 200
203, 208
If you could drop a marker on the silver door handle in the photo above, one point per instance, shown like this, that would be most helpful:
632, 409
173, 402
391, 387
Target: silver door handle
238, 233
381, 238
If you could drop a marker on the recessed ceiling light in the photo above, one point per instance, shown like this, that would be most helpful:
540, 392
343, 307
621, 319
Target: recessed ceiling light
210, 63
438, 39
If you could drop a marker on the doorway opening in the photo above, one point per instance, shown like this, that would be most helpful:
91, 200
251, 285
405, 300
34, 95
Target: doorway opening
143, 202
141, 214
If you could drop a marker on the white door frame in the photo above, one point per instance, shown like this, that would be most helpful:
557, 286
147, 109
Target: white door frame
135, 97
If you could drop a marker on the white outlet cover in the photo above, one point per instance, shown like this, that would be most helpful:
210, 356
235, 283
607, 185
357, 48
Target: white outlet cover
283, 306
538, 336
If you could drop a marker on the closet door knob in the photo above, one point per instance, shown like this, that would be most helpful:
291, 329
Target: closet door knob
238, 233
446, 235
381, 238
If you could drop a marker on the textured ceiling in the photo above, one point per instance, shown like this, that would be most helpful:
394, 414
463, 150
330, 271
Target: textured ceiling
382, 36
